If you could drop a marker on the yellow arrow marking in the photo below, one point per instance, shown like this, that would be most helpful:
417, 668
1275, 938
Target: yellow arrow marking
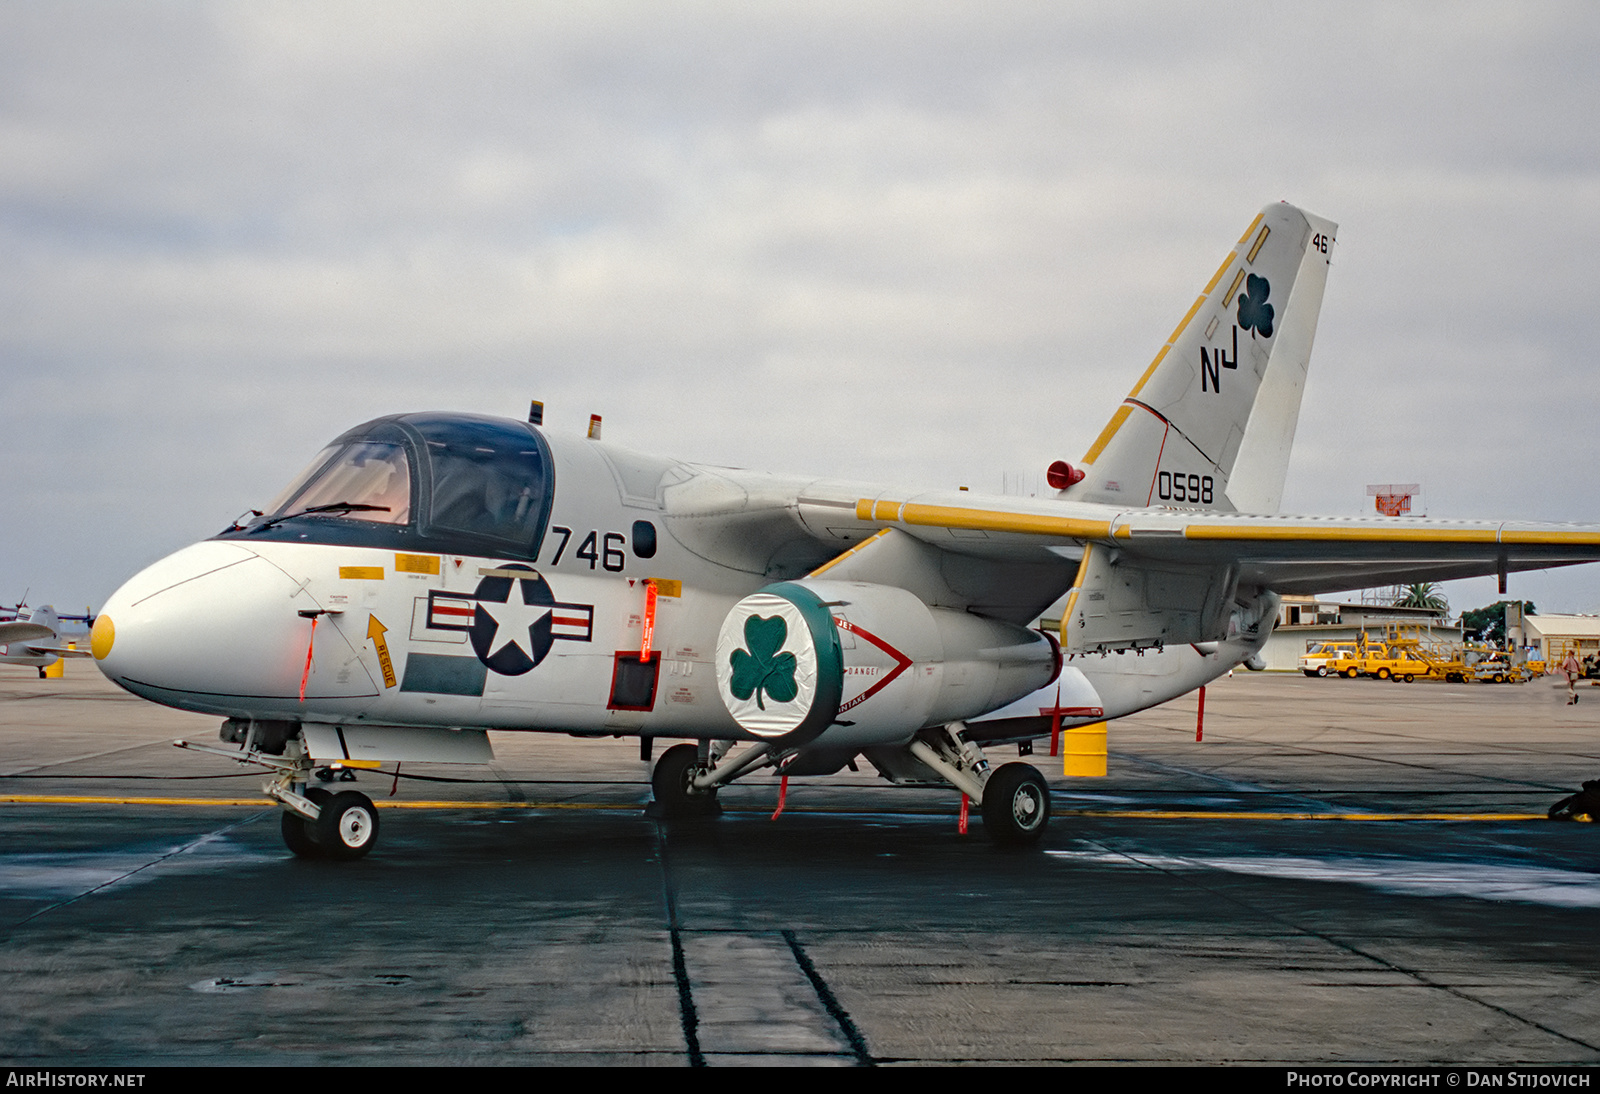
375, 632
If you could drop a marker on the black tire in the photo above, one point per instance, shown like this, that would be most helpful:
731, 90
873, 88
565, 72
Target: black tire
1349, 674
297, 836
298, 832
1322, 670
1382, 674
1016, 805
1409, 678
670, 783
348, 826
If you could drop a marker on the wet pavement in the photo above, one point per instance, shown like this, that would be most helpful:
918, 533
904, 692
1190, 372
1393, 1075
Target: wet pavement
1213, 901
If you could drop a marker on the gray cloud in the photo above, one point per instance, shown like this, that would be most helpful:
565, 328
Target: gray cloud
922, 242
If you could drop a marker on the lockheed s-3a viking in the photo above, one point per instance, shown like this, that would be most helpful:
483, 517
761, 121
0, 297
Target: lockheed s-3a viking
434, 576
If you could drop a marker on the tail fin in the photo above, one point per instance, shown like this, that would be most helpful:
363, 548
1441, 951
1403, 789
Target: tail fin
1211, 421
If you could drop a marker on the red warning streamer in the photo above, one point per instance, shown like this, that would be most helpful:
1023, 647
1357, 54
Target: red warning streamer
304, 676
649, 620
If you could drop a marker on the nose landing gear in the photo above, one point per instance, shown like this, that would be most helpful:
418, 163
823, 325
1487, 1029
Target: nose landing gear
316, 822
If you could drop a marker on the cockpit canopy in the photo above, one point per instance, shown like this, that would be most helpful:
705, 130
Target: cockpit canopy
452, 483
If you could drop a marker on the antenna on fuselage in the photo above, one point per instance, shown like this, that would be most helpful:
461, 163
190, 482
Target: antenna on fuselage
536, 413
594, 427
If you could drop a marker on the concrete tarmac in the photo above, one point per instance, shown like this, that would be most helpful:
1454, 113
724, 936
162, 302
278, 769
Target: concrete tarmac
1233, 900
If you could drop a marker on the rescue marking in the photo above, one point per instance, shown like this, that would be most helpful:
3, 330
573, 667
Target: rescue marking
375, 631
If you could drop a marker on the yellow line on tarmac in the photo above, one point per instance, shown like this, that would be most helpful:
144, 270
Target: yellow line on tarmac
122, 799
1120, 814
126, 799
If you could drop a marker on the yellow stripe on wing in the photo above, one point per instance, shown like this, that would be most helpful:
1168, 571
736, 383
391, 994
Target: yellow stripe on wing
988, 520
831, 563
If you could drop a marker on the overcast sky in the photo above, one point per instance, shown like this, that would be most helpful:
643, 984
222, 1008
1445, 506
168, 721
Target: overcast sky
931, 243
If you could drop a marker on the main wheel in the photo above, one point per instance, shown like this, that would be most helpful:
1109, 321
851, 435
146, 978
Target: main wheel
672, 783
347, 827
1016, 805
298, 833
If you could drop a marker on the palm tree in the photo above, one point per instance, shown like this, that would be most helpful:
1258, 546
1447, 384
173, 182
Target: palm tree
1427, 594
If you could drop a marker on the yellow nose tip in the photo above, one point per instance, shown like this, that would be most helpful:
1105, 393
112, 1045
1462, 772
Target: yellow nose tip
101, 637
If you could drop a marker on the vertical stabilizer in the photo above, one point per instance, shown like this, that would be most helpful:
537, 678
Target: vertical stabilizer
1210, 422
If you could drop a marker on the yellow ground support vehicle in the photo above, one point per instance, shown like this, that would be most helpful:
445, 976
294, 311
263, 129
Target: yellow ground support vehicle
1383, 660
1397, 660
1320, 656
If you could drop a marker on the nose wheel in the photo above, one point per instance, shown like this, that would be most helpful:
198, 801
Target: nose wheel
346, 826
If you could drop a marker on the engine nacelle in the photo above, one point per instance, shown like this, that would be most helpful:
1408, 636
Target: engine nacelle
852, 664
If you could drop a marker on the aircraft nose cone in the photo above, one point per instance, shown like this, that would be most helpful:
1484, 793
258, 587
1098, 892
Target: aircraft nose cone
102, 636
142, 633
216, 626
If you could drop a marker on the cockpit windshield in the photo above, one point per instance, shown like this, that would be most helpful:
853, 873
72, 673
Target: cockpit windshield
488, 479
365, 480
421, 482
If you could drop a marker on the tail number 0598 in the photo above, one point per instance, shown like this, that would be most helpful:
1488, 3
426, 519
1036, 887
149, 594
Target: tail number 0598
1190, 488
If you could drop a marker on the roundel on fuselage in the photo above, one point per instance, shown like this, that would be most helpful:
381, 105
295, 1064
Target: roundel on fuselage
511, 624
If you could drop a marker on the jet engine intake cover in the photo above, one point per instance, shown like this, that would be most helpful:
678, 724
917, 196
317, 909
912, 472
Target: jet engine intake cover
780, 669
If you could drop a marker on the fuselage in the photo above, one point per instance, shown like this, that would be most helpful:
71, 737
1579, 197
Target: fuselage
446, 570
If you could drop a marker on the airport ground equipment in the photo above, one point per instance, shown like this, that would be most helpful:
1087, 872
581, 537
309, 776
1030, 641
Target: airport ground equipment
1320, 656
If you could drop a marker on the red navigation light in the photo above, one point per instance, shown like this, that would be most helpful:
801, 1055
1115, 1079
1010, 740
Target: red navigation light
1061, 475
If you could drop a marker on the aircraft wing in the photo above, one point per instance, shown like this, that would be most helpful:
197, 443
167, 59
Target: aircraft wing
22, 632
1287, 554
1160, 576
59, 651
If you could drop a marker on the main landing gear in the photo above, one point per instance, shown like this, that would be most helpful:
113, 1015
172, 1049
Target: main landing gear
1014, 799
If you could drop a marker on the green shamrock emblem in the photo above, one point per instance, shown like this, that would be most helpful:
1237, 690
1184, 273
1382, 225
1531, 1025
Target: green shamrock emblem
763, 668
1254, 311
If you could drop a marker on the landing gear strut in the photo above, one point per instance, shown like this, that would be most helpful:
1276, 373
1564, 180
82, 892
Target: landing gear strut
316, 822
1014, 799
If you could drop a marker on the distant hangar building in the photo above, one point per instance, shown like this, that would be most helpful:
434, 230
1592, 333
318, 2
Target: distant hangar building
1303, 620
1554, 635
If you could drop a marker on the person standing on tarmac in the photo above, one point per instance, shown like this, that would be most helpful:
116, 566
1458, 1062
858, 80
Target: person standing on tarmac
1573, 670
